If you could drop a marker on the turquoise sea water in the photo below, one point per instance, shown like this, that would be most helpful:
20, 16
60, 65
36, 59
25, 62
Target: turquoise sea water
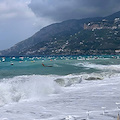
65, 86
61, 65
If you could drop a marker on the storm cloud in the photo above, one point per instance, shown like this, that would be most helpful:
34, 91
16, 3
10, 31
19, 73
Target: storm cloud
59, 10
20, 19
16, 22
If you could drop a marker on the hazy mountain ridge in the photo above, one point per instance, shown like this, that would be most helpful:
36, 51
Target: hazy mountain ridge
67, 38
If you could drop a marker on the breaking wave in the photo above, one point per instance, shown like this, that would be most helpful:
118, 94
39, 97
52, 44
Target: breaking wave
98, 66
38, 87
26, 88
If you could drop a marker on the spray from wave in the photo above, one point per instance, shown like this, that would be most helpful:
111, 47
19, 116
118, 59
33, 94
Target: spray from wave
98, 66
32, 87
22, 88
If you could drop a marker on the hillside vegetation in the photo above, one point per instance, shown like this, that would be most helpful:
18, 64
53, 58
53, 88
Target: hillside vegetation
90, 36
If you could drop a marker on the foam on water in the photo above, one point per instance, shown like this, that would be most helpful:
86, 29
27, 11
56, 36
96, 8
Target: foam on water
26, 88
102, 67
65, 91
71, 103
33, 87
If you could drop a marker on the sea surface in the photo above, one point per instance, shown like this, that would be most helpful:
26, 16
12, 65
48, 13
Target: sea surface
60, 88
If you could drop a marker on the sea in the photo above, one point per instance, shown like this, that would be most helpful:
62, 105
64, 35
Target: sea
60, 88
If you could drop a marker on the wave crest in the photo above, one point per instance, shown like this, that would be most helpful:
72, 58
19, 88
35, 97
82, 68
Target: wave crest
27, 88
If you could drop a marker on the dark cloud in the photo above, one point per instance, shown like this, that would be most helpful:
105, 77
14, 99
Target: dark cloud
59, 10
17, 22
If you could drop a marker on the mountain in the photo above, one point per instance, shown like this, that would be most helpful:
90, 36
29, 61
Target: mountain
100, 35
113, 16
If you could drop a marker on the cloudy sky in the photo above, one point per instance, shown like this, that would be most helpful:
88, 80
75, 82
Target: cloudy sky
20, 19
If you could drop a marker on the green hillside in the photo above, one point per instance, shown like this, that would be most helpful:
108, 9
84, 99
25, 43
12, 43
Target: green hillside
85, 42
90, 36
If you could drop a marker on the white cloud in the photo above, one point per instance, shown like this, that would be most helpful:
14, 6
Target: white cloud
15, 8
16, 22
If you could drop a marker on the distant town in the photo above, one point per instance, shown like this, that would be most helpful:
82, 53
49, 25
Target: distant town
104, 24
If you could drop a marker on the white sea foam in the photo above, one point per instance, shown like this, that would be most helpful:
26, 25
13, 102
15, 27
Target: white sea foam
32, 87
75, 102
27, 88
80, 95
98, 66
103, 67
